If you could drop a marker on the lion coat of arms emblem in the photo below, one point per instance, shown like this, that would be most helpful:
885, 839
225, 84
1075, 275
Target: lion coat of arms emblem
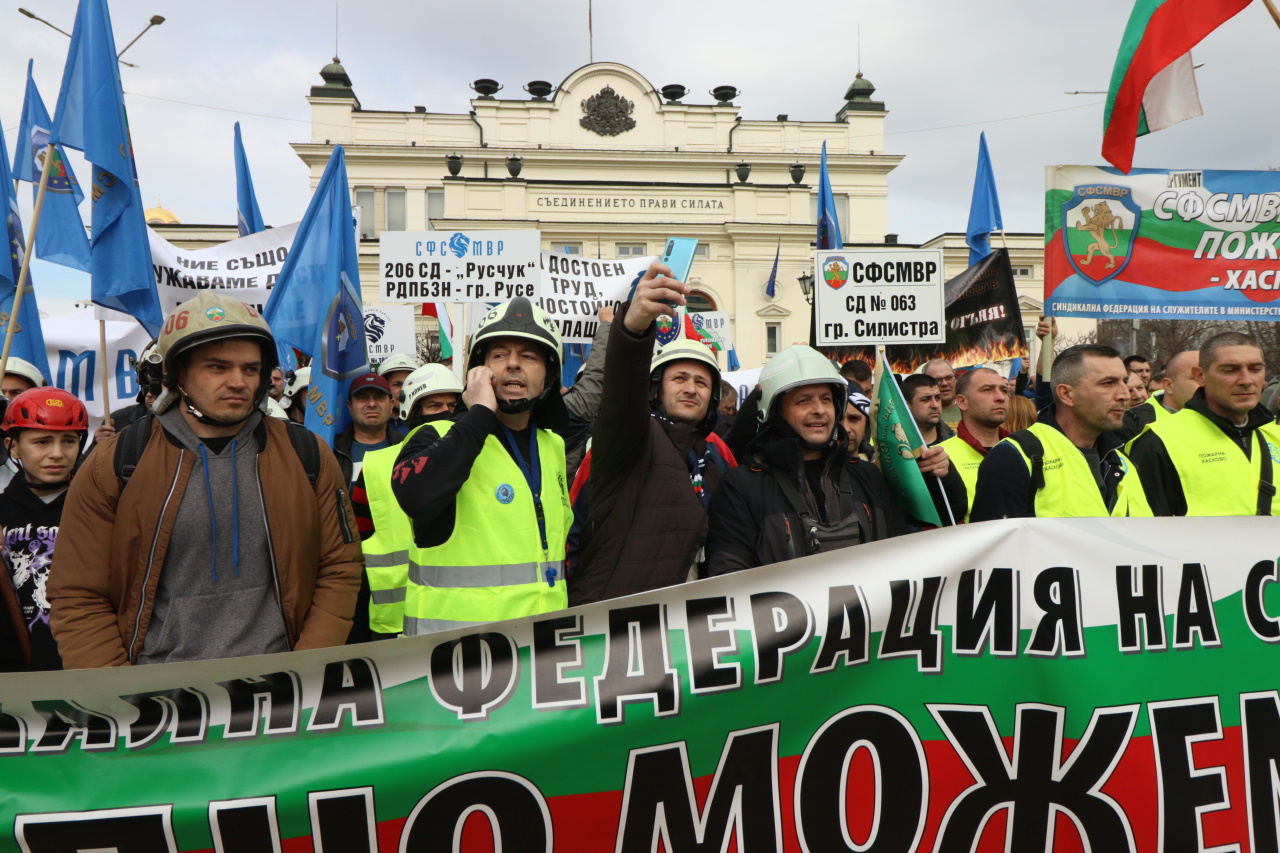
607, 113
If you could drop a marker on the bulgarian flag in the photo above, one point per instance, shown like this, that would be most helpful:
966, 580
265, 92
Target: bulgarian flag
1153, 85
437, 310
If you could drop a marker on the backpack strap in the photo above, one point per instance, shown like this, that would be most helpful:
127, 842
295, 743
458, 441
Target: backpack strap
1266, 488
1034, 449
130, 446
133, 442
307, 446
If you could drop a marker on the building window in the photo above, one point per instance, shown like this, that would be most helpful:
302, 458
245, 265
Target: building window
366, 200
435, 205
699, 301
395, 200
772, 339
842, 213
631, 250
1024, 272
567, 248
703, 250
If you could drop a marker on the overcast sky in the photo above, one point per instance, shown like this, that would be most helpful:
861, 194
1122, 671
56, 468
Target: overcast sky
945, 70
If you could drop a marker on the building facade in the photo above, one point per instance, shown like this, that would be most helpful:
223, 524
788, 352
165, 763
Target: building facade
606, 165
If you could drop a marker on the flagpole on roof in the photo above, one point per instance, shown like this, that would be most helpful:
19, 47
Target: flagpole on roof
26, 269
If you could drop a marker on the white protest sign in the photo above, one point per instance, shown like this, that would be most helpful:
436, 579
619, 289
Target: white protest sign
878, 297
71, 340
574, 289
713, 327
389, 330
247, 267
458, 266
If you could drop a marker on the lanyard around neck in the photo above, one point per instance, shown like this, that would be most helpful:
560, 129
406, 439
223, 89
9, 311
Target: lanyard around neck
532, 472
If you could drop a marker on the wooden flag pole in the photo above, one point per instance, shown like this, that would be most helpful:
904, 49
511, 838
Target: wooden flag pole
106, 385
1275, 13
24, 273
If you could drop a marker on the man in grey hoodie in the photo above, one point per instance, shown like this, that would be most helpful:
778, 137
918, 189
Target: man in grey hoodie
224, 540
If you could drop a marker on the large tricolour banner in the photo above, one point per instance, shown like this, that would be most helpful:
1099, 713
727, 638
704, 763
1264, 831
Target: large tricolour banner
1161, 244
1021, 685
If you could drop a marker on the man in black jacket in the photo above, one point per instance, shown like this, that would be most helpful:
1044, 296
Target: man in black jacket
1219, 454
370, 403
799, 491
653, 467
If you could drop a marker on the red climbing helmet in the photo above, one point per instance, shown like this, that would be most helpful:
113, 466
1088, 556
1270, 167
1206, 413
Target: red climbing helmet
46, 408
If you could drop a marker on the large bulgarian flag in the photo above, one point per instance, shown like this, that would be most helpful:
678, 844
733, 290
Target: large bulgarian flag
1153, 85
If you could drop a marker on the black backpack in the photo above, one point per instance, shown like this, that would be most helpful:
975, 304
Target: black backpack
133, 441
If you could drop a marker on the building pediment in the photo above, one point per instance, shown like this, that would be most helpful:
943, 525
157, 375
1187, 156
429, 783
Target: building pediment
773, 309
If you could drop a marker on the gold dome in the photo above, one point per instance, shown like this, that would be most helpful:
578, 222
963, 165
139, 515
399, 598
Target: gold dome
161, 216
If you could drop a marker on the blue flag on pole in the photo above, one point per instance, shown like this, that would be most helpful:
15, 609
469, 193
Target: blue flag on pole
828, 221
91, 118
315, 305
28, 338
771, 289
61, 238
248, 217
984, 209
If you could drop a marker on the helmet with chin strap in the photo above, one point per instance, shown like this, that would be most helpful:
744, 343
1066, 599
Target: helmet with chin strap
795, 367
397, 363
423, 382
209, 318
684, 349
522, 320
46, 409
25, 369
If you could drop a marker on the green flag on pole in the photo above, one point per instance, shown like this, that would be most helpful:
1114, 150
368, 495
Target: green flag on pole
898, 446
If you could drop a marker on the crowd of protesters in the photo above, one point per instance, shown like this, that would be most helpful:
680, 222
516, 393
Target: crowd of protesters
206, 521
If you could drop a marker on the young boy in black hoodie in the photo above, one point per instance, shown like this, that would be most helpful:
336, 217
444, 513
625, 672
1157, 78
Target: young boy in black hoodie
45, 430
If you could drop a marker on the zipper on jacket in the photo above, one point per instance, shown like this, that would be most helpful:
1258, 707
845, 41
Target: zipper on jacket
151, 556
271, 554
342, 517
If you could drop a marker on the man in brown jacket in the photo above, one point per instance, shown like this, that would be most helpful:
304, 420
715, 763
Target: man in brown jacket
653, 469
217, 543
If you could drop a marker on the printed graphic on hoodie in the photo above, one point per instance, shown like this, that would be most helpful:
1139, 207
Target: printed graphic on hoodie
28, 552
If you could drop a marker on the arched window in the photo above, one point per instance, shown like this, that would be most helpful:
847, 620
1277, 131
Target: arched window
699, 301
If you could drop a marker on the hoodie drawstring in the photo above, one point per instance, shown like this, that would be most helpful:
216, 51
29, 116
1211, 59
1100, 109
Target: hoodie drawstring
213, 515
235, 514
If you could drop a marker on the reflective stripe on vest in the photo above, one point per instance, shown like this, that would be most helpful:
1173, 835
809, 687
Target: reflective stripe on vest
966, 461
493, 565
1070, 490
468, 577
1216, 477
386, 552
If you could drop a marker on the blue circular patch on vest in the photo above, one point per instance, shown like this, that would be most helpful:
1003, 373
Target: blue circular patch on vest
505, 494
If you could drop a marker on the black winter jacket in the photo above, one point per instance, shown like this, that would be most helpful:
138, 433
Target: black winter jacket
753, 524
645, 525
30, 530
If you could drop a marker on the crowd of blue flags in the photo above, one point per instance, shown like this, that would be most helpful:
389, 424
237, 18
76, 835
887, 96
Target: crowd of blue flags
90, 117
315, 306
28, 339
61, 238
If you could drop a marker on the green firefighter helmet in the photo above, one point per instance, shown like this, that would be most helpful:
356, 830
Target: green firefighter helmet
794, 367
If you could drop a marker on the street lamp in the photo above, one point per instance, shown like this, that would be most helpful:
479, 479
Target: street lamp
156, 20
806, 287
